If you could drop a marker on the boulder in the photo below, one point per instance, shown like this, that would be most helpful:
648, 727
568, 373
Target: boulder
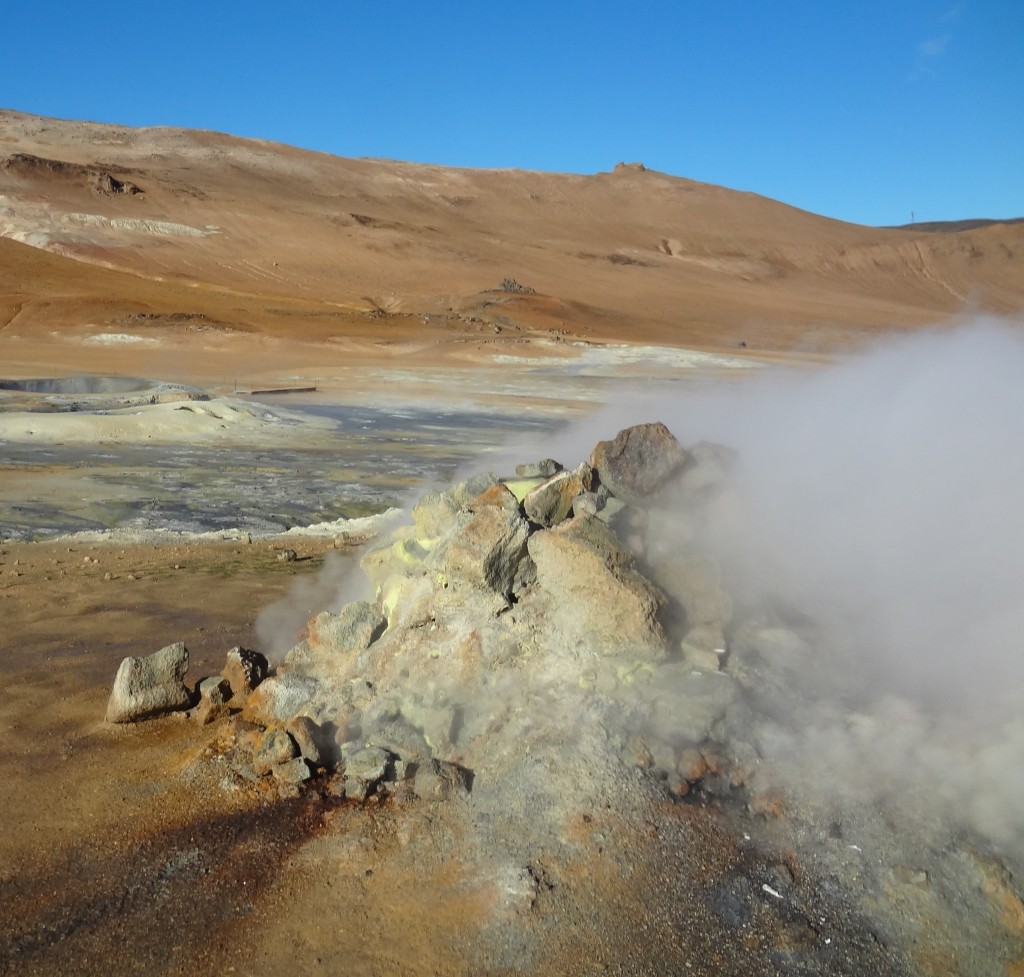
483, 550
279, 698
151, 686
637, 460
550, 502
335, 638
600, 601
244, 670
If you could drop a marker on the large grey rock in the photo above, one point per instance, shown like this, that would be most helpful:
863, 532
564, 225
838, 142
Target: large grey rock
335, 638
279, 698
151, 686
483, 550
550, 502
637, 460
599, 598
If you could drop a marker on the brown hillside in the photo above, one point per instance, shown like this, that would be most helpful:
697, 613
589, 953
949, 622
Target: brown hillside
272, 239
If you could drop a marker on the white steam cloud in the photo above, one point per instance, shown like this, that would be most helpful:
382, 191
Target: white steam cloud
882, 497
878, 503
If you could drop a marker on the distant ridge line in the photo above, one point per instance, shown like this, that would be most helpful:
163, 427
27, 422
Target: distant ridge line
971, 224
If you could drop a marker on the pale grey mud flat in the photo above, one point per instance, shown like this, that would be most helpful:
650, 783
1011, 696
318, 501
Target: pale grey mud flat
368, 463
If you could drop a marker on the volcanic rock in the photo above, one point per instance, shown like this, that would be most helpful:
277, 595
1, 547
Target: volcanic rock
538, 469
213, 694
684, 705
333, 638
482, 550
276, 747
279, 698
292, 772
550, 502
637, 460
365, 769
308, 737
146, 687
600, 600
694, 581
244, 671
704, 647
437, 780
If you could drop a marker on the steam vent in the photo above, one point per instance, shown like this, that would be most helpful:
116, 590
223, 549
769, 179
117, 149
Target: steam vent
553, 723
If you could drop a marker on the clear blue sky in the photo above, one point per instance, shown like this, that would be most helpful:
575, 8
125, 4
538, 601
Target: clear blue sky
862, 111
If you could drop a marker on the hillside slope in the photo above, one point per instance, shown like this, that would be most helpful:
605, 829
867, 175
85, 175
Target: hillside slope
629, 255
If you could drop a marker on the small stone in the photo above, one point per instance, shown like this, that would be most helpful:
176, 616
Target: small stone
704, 648
287, 556
307, 735
213, 695
275, 748
439, 780
369, 766
550, 502
292, 772
538, 469
586, 504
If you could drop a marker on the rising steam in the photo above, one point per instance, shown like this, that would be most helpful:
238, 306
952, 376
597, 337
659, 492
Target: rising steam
877, 501
882, 498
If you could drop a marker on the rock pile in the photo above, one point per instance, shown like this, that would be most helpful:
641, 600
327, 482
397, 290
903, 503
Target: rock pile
513, 619
555, 657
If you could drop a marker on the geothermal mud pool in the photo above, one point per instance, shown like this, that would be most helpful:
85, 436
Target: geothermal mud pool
357, 461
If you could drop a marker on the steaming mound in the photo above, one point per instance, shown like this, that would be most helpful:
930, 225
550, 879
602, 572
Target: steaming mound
574, 723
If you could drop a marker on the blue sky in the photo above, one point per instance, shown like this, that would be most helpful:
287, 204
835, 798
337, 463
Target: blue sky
861, 111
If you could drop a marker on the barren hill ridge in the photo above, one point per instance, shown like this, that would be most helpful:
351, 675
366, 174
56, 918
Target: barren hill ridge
266, 236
